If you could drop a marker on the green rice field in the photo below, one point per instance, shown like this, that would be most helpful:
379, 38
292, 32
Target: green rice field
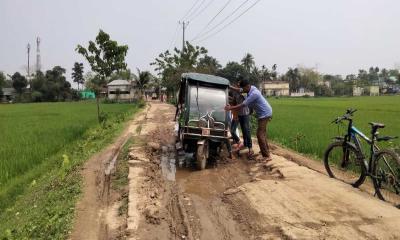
31, 133
304, 124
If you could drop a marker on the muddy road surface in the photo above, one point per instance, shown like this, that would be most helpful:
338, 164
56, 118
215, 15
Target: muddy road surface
237, 199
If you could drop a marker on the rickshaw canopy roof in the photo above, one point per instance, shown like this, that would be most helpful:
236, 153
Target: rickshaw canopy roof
206, 78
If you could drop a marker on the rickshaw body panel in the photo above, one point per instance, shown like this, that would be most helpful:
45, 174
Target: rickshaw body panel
200, 93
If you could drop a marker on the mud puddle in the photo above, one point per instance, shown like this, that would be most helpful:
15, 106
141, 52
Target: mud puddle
203, 193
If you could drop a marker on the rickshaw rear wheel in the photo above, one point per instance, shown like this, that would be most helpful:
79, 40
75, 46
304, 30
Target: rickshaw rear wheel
202, 155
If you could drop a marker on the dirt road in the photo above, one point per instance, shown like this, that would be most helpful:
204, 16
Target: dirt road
241, 200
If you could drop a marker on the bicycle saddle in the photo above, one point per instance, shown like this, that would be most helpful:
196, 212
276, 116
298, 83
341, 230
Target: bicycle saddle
377, 125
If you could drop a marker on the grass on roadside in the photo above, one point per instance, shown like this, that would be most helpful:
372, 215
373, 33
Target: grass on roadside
119, 180
46, 208
304, 124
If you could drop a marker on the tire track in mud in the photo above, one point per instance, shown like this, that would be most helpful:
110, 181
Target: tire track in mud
183, 203
245, 200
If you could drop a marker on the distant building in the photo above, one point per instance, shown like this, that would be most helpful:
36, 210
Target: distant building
373, 90
275, 88
358, 91
324, 83
8, 95
121, 90
369, 90
302, 93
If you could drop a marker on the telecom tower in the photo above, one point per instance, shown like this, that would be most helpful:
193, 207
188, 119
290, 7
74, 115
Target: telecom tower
28, 48
38, 64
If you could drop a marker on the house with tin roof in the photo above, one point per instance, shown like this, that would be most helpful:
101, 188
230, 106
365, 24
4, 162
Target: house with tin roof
122, 90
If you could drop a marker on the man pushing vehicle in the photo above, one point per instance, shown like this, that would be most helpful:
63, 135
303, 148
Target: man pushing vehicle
263, 110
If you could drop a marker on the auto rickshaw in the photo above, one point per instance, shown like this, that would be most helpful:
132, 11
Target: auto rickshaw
203, 123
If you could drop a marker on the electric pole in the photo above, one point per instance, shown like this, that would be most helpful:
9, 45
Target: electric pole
184, 26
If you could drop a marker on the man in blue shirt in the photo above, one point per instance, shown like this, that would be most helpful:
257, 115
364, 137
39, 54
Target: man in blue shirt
256, 101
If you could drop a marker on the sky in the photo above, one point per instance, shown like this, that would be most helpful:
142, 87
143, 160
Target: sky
334, 36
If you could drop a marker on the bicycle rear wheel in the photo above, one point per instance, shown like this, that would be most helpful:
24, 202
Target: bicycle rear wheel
344, 162
386, 172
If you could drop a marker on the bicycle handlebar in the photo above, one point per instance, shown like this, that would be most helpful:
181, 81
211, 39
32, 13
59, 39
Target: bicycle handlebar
347, 116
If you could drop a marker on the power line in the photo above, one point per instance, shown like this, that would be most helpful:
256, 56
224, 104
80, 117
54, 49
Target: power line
212, 19
226, 25
196, 10
202, 10
223, 20
186, 14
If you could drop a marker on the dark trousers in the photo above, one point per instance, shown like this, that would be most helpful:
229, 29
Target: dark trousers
262, 136
245, 126
234, 125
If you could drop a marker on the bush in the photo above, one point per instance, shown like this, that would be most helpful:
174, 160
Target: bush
36, 96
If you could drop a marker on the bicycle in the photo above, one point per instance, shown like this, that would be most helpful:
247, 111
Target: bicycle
350, 165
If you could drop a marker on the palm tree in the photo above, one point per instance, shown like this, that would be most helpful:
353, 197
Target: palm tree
142, 79
293, 76
248, 62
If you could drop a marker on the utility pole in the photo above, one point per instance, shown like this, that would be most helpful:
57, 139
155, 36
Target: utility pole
184, 26
28, 47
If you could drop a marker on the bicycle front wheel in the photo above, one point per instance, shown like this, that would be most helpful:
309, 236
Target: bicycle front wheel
386, 176
344, 162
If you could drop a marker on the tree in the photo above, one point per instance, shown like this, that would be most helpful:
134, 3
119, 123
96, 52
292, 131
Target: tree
293, 77
57, 87
208, 65
171, 65
309, 78
232, 71
395, 74
255, 76
105, 57
122, 74
77, 73
38, 85
51, 86
248, 62
19, 82
2, 82
142, 79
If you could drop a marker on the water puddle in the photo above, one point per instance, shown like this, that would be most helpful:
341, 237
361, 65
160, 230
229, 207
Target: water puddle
173, 160
168, 162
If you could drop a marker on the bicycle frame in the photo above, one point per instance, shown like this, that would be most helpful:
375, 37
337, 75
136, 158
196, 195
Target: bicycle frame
353, 134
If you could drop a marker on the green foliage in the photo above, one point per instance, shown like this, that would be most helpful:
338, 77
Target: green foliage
104, 55
208, 65
51, 86
248, 62
122, 74
142, 78
52, 183
232, 71
19, 82
171, 65
2, 82
77, 73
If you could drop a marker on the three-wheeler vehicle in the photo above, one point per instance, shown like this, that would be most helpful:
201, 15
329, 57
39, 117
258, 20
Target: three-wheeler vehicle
203, 123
